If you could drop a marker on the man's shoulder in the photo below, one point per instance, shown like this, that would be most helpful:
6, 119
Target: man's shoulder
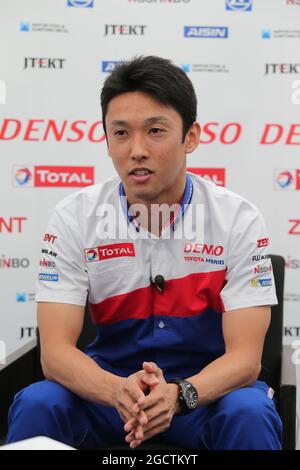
221, 196
90, 196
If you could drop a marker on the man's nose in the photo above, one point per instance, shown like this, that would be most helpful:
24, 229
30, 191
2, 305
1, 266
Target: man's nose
138, 149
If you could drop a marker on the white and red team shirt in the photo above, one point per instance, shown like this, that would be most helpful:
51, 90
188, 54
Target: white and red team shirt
223, 266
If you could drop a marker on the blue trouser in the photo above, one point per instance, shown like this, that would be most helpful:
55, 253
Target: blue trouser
243, 419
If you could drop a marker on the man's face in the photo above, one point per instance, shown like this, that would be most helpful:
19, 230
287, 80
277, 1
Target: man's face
145, 143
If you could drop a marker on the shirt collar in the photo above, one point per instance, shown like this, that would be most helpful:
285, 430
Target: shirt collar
185, 201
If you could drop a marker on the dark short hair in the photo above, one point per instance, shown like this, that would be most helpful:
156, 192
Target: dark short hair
157, 77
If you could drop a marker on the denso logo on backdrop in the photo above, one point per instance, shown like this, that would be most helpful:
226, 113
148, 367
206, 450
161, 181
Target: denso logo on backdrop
215, 175
239, 5
287, 179
52, 176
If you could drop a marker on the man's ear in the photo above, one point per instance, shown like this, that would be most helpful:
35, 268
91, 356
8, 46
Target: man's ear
192, 137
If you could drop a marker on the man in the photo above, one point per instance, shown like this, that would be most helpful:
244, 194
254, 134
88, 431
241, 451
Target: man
181, 315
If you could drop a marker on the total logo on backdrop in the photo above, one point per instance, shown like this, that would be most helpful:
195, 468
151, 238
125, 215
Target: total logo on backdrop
52, 176
239, 5
287, 179
216, 175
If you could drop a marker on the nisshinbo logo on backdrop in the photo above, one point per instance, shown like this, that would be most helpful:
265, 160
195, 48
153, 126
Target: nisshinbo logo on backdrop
81, 3
206, 32
239, 5
52, 176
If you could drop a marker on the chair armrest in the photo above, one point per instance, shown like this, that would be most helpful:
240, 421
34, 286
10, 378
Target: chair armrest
288, 368
287, 401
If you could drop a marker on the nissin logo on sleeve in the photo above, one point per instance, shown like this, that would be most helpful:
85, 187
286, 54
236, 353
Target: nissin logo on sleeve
206, 32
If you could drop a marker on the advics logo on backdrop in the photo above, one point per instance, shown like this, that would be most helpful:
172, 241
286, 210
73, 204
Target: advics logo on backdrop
124, 29
287, 179
282, 68
43, 63
206, 32
81, 3
109, 65
52, 176
239, 5
216, 175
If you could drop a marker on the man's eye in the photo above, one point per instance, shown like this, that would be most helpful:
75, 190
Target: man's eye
119, 132
156, 130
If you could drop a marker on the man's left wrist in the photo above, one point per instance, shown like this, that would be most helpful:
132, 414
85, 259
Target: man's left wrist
174, 389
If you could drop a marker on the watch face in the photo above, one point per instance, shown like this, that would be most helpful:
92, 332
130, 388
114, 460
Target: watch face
191, 396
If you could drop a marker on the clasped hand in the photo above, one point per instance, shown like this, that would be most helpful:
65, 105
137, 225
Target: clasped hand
146, 404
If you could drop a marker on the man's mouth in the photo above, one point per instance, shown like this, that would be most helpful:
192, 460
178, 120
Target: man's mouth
140, 174
140, 171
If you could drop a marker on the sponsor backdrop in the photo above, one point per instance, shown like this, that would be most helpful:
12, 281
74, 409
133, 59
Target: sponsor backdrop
242, 58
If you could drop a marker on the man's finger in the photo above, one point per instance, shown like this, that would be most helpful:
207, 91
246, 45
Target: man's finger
151, 367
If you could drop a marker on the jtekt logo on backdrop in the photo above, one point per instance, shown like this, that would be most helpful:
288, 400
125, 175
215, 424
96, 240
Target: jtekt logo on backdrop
81, 3
282, 69
216, 175
206, 32
43, 63
52, 176
287, 179
239, 5
124, 29
12, 224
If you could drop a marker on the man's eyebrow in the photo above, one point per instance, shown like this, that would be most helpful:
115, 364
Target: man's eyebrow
150, 120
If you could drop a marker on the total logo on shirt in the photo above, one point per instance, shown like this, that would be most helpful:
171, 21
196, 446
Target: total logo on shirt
115, 250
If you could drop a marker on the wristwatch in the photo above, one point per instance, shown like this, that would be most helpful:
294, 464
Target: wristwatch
188, 395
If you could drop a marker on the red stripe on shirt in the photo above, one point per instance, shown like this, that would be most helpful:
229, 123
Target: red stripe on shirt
184, 297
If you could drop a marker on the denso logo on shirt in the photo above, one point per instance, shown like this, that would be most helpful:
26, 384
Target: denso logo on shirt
115, 250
